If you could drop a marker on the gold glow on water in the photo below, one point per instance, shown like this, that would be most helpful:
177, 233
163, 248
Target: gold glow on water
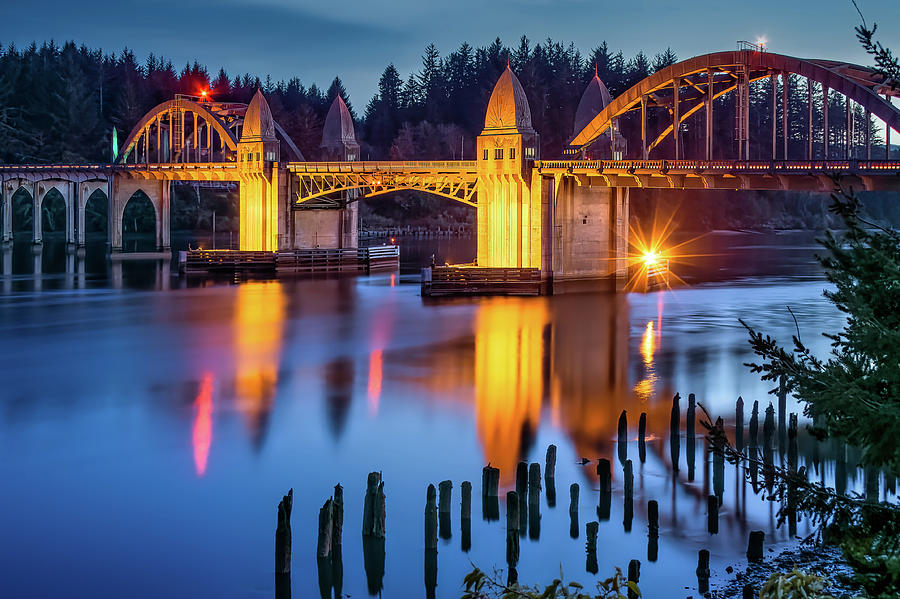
258, 330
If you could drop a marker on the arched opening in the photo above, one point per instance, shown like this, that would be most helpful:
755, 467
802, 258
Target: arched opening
96, 216
53, 215
139, 224
22, 207
423, 224
205, 215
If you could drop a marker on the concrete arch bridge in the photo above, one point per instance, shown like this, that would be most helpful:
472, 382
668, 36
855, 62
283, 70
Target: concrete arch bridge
566, 217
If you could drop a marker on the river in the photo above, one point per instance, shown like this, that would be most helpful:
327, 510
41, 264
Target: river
149, 425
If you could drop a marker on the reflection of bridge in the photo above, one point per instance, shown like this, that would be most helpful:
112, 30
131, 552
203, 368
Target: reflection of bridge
567, 218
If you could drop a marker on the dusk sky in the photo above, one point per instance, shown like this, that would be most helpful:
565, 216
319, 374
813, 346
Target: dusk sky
356, 39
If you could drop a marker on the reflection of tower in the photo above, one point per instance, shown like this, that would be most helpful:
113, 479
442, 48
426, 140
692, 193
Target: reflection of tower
509, 378
258, 319
338, 392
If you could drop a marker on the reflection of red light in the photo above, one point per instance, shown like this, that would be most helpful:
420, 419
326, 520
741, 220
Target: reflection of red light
374, 390
202, 437
392, 280
392, 241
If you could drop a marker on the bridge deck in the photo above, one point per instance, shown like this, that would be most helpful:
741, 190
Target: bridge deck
387, 166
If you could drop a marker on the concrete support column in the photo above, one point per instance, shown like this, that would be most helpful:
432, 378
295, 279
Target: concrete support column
163, 240
116, 207
72, 189
6, 225
81, 208
37, 231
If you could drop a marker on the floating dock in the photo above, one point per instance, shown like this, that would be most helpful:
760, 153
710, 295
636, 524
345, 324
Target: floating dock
472, 280
302, 261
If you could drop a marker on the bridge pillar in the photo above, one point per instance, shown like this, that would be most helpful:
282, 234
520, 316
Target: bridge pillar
163, 235
36, 220
71, 198
589, 236
6, 208
121, 190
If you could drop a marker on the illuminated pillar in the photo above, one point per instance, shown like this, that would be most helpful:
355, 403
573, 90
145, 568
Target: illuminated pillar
164, 242
36, 219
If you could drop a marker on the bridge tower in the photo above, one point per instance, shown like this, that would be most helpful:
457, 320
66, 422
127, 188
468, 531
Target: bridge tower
509, 221
331, 222
263, 194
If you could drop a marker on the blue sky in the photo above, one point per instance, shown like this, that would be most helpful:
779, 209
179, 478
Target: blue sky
356, 39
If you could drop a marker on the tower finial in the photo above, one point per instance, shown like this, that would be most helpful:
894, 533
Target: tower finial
595, 69
507, 60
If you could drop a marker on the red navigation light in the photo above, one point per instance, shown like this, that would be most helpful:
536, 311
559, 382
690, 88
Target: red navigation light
392, 240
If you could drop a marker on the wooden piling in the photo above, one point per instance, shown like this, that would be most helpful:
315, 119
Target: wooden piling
652, 530
629, 495
755, 545
337, 516
374, 506
691, 437
522, 493
603, 471
769, 435
703, 571
465, 515
512, 529
573, 510
712, 514
591, 546
634, 575
373, 563
465, 508
754, 424
490, 481
642, 437
444, 497
326, 527
675, 432
283, 547
550, 476
430, 573
719, 463
622, 445
739, 424
534, 501
431, 521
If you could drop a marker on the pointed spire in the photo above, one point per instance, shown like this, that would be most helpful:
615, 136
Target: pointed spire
595, 69
507, 60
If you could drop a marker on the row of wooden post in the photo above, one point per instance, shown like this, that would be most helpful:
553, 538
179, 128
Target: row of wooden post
523, 504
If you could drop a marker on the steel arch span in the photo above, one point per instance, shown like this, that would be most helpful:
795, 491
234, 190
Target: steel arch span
689, 86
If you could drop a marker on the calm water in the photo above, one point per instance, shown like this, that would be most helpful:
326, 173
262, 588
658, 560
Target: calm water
149, 426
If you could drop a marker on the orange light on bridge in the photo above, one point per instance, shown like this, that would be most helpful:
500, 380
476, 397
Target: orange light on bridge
651, 258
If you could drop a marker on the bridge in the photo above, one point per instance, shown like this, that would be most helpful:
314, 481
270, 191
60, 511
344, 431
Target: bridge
566, 217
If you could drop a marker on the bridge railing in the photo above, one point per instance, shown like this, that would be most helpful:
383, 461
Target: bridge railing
382, 166
723, 166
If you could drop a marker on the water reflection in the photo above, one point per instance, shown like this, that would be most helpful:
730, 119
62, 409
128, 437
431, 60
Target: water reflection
202, 433
509, 379
258, 331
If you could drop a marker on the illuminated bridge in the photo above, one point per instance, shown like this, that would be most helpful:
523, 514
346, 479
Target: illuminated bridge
568, 218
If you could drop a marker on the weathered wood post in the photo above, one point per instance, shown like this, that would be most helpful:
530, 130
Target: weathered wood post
754, 424
739, 424
629, 495
430, 573
755, 545
590, 546
465, 514
769, 436
782, 409
603, 471
573, 510
374, 506
675, 432
550, 475
642, 437
534, 501
445, 488
490, 484
719, 463
690, 436
283, 547
337, 533
522, 494
622, 445
652, 530
712, 514
634, 575
431, 518
323, 549
703, 571
512, 529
